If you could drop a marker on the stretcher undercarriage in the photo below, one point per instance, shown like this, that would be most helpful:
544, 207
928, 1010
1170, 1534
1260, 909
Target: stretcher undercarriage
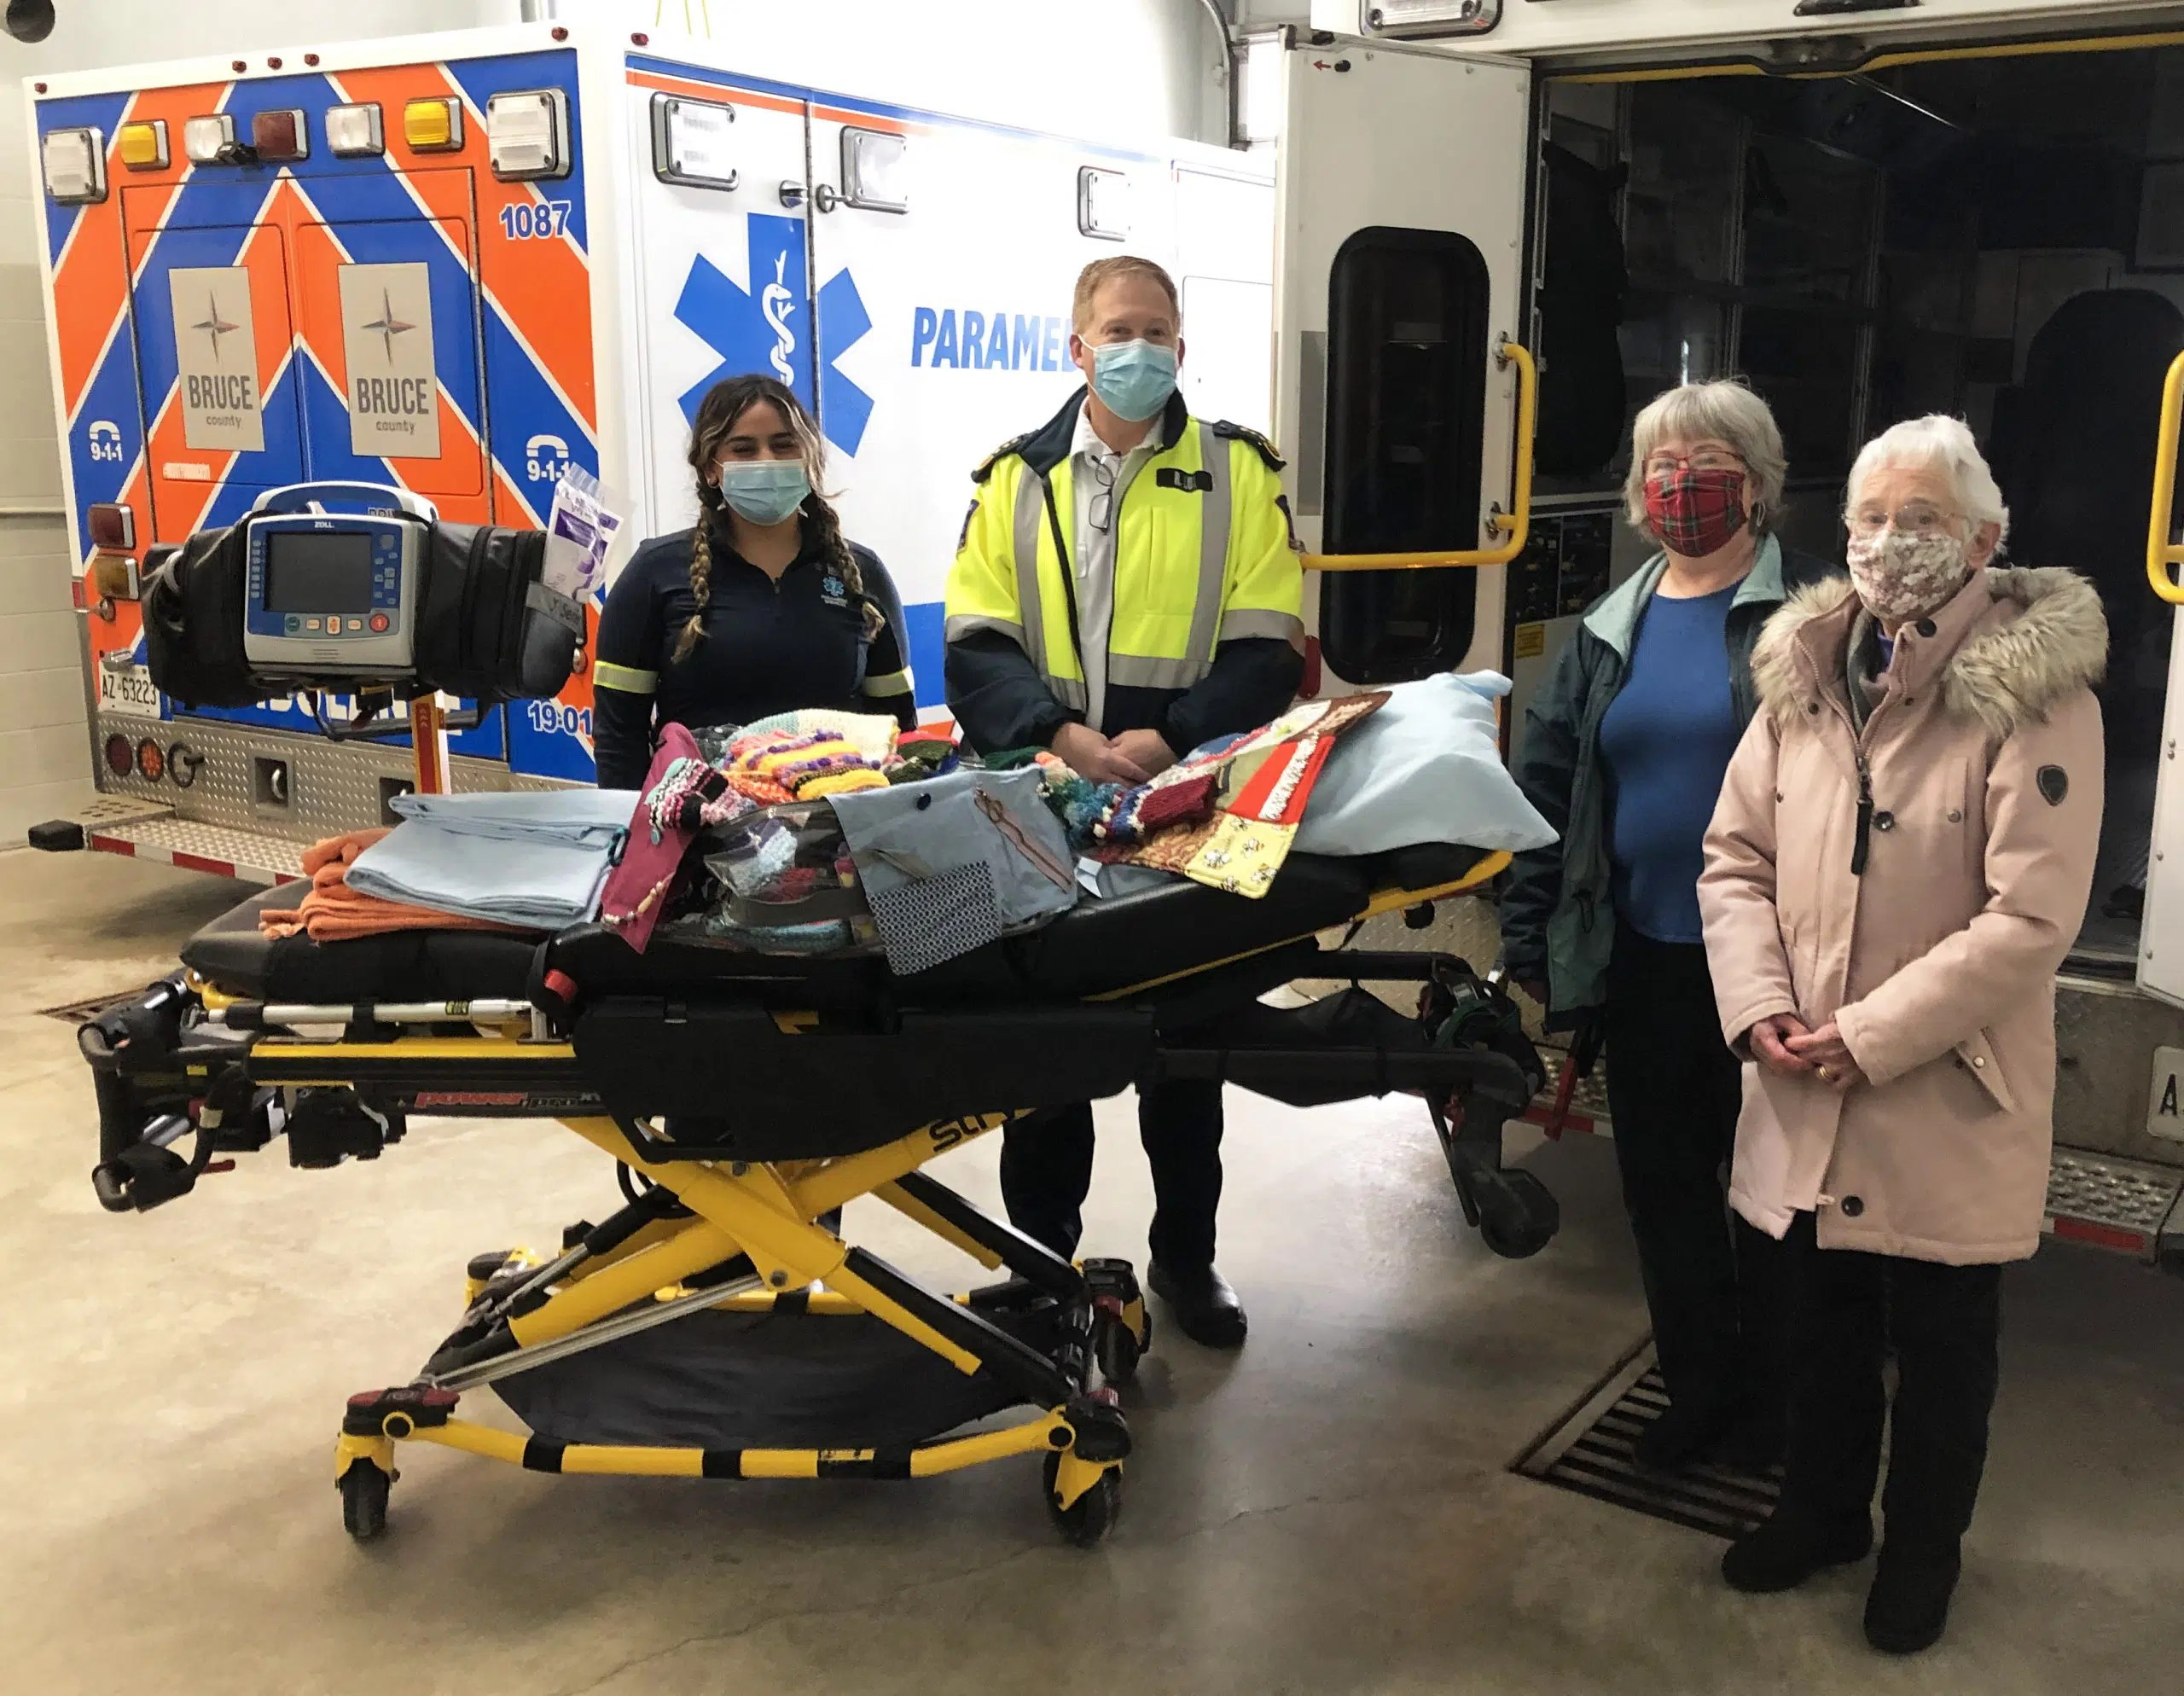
717, 1325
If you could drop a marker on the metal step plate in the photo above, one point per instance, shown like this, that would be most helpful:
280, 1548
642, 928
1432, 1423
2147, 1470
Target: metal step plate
2106, 1202
1589, 1450
1587, 1102
248, 854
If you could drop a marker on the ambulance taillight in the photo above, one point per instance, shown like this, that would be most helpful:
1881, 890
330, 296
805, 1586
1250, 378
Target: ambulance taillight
112, 525
75, 166
142, 144
355, 131
527, 134
281, 136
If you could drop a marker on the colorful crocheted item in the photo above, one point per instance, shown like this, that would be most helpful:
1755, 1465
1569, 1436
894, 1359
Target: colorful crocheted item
840, 783
1135, 814
690, 794
763, 790
872, 734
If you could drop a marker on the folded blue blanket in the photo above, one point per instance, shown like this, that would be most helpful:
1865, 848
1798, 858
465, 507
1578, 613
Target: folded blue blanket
536, 859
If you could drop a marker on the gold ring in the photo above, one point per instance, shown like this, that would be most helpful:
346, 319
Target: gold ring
1824, 1073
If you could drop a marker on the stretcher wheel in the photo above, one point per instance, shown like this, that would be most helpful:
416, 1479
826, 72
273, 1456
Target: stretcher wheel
363, 1501
1088, 1520
1118, 1349
1520, 1217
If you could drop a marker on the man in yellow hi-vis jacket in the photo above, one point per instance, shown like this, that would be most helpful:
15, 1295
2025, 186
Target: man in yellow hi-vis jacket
1127, 589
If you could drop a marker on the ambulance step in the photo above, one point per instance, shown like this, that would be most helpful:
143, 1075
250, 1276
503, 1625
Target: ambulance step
64, 835
243, 854
1587, 1102
2110, 1203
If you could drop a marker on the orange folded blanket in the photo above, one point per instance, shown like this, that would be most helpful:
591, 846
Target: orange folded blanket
331, 911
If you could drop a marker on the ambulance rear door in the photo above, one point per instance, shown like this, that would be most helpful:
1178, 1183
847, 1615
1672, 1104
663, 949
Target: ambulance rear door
1401, 194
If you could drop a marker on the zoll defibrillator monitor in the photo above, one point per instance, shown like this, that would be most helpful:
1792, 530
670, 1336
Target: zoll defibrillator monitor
339, 590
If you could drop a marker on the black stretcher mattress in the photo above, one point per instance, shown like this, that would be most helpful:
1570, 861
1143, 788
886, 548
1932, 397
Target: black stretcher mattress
1098, 947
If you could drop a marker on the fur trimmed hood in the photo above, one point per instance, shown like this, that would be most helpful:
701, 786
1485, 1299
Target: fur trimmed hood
2008, 671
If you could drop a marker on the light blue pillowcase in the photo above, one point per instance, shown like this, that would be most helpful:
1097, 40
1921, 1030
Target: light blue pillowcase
1425, 768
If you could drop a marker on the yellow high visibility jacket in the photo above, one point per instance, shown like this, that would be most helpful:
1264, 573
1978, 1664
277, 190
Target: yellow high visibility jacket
1206, 634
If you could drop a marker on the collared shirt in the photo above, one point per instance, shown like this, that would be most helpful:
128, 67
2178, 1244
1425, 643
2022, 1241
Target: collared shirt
1100, 476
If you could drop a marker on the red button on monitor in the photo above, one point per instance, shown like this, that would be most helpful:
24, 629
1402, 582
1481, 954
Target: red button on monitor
379, 622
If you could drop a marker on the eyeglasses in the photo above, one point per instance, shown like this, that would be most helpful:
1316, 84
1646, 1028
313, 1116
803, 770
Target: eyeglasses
1102, 511
1659, 468
1913, 518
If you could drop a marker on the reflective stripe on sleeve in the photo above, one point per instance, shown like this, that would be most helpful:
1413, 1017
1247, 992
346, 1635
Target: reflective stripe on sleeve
889, 683
1255, 621
1143, 672
963, 624
627, 678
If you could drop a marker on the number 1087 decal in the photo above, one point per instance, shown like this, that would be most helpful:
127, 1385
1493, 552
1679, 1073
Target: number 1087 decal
536, 221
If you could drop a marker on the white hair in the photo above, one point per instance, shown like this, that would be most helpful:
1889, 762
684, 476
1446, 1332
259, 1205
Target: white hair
1936, 441
1724, 410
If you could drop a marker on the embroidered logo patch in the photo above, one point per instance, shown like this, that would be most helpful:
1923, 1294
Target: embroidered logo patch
2055, 784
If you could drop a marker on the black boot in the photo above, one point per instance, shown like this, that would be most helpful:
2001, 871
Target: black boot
1906, 1610
1205, 1307
1792, 1547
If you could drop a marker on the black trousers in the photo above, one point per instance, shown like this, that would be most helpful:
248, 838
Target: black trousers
1848, 1311
1712, 1281
1046, 1171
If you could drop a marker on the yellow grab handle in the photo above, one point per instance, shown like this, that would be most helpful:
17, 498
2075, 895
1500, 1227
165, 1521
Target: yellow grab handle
1517, 522
2161, 553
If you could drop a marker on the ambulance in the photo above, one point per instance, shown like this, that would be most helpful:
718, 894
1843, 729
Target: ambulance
462, 263
1493, 228
1872, 209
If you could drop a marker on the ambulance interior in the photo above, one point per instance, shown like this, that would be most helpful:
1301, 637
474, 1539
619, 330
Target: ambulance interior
2001, 238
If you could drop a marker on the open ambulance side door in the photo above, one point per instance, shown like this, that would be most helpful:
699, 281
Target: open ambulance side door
1400, 197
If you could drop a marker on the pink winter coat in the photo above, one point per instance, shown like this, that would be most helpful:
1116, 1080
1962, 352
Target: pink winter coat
1939, 963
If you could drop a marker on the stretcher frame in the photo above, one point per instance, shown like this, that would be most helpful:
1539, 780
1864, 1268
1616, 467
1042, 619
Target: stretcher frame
702, 1231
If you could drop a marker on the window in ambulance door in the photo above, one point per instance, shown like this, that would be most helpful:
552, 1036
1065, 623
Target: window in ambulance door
1407, 360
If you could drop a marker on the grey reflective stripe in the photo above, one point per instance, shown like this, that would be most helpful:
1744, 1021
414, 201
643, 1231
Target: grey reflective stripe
1031, 512
1141, 671
1253, 621
888, 683
964, 622
1069, 691
1213, 554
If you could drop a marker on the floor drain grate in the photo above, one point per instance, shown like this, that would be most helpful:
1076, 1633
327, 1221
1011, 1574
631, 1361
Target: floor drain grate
75, 1012
1589, 1450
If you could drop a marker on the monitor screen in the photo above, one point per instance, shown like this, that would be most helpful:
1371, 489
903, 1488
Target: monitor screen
318, 571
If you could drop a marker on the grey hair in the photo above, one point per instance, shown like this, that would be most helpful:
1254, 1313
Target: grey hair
1725, 410
1936, 441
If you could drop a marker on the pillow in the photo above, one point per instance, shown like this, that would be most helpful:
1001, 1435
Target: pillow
1425, 768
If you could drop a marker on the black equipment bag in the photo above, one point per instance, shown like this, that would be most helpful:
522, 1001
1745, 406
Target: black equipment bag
193, 607
487, 629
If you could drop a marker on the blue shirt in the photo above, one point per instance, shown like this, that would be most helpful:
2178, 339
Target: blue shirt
1666, 741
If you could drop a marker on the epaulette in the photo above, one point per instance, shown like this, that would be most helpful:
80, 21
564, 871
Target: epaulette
1001, 453
1240, 432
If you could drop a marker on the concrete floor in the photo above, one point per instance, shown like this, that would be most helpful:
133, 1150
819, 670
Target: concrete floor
1329, 1512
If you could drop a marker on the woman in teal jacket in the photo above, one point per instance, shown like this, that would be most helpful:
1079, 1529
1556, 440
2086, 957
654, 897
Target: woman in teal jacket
1623, 753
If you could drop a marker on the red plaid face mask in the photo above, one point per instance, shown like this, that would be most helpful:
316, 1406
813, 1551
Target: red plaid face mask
1696, 512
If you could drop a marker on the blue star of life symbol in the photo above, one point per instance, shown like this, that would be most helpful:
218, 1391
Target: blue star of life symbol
767, 328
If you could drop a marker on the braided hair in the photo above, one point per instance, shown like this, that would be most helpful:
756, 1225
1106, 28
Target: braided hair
718, 413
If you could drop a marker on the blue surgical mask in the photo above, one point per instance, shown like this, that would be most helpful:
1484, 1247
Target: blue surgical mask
1134, 378
764, 490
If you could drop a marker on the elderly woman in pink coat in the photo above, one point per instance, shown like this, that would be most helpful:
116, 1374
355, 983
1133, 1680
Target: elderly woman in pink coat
1900, 860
